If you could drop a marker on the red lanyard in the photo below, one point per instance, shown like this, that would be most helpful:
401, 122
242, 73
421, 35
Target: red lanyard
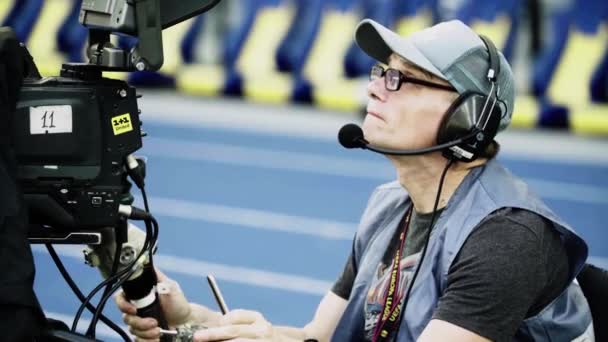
392, 296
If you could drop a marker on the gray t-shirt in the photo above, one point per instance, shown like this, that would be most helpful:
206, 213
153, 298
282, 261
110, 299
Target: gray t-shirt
511, 266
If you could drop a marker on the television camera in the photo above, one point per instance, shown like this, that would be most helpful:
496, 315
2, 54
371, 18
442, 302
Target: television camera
74, 137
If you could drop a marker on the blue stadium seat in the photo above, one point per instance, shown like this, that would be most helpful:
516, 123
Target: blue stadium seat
212, 47
568, 96
498, 20
44, 19
72, 36
22, 17
261, 79
528, 106
599, 81
5, 10
358, 63
297, 44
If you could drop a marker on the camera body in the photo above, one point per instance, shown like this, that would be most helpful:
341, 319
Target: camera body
71, 136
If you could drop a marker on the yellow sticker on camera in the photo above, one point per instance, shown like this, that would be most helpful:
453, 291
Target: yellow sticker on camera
122, 124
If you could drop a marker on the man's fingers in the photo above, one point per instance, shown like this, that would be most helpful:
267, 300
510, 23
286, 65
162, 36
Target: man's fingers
232, 331
216, 334
139, 323
151, 334
160, 276
240, 316
123, 304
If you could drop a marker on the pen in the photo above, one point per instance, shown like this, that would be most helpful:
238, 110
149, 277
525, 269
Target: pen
217, 294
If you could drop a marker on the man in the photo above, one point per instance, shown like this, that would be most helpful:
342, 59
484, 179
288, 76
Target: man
487, 259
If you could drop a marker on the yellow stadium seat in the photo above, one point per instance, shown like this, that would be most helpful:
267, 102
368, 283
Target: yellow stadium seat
42, 41
591, 119
261, 81
570, 85
172, 38
525, 113
5, 7
324, 67
207, 76
408, 25
497, 30
201, 79
345, 95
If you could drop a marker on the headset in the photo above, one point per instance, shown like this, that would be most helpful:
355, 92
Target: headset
467, 128
473, 117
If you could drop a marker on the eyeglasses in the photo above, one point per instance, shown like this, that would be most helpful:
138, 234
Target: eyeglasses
393, 79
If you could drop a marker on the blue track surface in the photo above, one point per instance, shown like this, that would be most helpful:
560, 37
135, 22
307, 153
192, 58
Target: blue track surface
277, 186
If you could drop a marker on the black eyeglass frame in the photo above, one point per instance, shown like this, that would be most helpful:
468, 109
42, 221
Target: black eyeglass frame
404, 79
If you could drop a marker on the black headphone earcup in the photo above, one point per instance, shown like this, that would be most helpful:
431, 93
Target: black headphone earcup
460, 120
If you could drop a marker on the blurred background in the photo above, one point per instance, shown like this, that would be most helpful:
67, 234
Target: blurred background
244, 171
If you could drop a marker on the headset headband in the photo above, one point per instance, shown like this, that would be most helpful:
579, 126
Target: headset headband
492, 76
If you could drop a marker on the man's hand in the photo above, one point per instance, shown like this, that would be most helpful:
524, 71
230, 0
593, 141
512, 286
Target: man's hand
242, 325
176, 308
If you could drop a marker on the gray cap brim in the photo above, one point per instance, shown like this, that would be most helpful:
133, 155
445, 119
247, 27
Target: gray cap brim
379, 42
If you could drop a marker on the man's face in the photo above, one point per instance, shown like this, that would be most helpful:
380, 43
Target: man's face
409, 117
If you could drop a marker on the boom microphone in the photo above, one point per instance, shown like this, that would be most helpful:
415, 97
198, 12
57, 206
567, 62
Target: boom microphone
351, 136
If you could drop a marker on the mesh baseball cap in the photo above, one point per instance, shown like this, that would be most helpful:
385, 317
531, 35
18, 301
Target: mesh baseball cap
450, 50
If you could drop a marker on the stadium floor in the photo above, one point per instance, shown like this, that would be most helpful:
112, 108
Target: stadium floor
264, 198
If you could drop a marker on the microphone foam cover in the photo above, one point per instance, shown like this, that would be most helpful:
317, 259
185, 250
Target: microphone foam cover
351, 136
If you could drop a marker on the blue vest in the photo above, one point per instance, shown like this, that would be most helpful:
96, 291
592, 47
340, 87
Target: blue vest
484, 190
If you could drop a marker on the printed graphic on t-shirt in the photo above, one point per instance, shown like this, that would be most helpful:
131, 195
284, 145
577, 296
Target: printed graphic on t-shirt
377, 290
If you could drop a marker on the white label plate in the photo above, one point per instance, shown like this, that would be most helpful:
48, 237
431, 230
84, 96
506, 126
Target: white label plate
51, 119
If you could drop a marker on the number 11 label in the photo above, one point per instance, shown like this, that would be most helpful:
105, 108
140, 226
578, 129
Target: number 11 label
51, 119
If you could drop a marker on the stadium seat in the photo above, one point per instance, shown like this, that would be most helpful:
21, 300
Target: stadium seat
414, 16
72, 36
212, 47
295, 48
599, 81
570, 89
257, 63
5, 7
529, 105
324, 70
42, 42
23, 16
498, 20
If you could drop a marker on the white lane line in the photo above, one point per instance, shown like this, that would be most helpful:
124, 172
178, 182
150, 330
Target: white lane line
234, 274
325, 165
258, 219
102, 329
